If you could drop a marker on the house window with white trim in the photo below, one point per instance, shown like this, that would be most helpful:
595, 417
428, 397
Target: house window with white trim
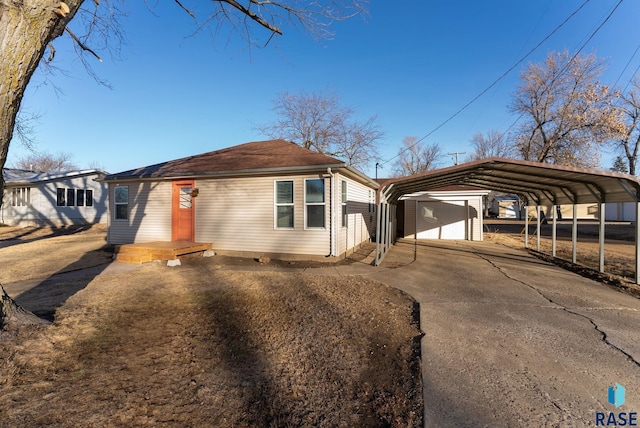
121, 197
314, 202
284, 210
60, 197
20, 196
80, 197
71, 197
88, 198
344, 204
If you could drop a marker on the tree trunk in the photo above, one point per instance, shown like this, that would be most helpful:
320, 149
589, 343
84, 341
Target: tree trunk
26, 28
13, 315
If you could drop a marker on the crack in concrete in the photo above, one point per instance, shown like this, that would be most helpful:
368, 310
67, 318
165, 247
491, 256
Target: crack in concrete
605, 338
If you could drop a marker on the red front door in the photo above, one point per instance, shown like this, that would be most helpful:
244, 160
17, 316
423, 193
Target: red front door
182, 212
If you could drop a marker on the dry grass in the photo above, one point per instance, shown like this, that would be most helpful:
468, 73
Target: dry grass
55, 249
619, 257
197, 346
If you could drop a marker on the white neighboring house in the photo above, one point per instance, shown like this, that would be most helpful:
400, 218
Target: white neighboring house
53, 199
453, 212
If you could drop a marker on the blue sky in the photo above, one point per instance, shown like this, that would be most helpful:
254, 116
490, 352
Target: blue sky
412, 63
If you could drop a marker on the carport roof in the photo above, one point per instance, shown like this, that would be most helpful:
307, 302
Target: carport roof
537, 183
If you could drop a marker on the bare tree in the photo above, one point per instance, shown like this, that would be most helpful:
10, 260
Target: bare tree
95, 164
318, 122
46, 162
415, 157
493, 144
25, 128
28, 28
567, 113
627, 138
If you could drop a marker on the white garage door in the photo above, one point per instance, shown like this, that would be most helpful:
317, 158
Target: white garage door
442, 220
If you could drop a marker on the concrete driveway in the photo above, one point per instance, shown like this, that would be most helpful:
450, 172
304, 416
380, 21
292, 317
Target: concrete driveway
514, 341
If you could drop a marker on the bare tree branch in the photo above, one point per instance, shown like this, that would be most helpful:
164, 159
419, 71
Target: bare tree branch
493, 144
252, 15
46, 162
415, 157
627, 133
82, 45
568, 113
318, 122
183, 7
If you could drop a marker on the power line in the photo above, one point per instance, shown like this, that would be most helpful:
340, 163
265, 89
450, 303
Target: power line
495, 82
575, 55
625, 69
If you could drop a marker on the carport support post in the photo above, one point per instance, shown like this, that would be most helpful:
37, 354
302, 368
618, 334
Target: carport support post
637, 243
553, 231
601, 235
378, 230
574, 235
526, 227
538, 228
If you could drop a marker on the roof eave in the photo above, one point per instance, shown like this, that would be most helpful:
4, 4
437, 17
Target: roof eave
231, 173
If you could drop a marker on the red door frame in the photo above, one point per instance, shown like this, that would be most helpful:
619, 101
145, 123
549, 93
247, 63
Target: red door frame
178, 227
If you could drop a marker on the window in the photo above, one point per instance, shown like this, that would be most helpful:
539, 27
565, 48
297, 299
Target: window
71, 197
185, 198
88, 198
121, 194
314, 203
79, 197
21, 196
60, 199
284, 204
344, 204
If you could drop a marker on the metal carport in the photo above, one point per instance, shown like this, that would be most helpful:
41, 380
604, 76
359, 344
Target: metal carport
536, 183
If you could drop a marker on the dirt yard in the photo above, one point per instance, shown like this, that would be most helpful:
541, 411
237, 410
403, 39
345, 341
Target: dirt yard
198, 345
619, 261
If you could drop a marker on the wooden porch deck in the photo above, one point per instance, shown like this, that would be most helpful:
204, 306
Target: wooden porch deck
157, 250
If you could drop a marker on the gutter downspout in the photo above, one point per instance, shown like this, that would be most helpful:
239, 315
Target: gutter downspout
331, 214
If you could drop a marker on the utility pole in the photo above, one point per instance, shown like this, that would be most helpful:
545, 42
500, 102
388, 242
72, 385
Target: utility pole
456, 155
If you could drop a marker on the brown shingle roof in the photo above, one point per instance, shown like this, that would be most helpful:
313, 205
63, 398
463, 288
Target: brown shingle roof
248, 157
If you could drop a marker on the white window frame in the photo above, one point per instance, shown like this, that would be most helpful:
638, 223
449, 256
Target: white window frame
80, 200
116, 204
308, 204
277, 204
344, 197
61, 197
21, 196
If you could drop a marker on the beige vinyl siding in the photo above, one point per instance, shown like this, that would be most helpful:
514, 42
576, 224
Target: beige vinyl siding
360, 217
43, 210
238, 214
409, 219
442, 219
149, 213
450, 213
